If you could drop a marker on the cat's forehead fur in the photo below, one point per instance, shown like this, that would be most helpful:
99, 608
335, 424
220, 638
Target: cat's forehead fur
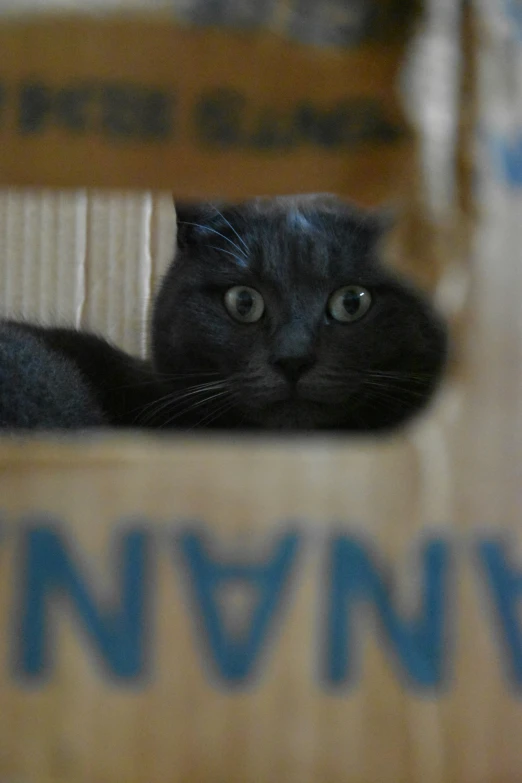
302, 203
305, 234
297, 208
292, 208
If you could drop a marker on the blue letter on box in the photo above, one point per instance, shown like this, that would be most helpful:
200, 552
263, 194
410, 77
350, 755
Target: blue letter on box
235, 656
117, 632
417, 643
506, 153
505, 584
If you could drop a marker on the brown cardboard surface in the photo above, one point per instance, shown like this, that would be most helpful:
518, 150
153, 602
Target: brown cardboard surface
145, 103
182, 718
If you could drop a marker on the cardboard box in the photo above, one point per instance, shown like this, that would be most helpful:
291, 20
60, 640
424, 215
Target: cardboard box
148, 102
246, 611
295, 619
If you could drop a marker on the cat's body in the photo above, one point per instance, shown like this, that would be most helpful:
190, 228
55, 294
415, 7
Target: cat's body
275, 314
48, 372
39, 387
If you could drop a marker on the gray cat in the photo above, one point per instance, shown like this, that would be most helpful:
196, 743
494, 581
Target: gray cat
276, 314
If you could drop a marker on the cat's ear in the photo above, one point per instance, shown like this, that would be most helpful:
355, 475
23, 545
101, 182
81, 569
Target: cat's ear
194, 221
379, 221
384, 219
190, 222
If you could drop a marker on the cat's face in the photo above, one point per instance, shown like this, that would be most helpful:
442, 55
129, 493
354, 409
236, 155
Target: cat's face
278, 313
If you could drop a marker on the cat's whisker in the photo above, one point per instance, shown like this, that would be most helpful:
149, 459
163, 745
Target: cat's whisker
156, 406
199, 389
213, 231
142, 409
211, 417
239, 259
191, 374
387, 394
389, 388
194, 406
392, 397
146, 414
188, 391
207, 421
157, 380
407, 376
229, 224
174, 398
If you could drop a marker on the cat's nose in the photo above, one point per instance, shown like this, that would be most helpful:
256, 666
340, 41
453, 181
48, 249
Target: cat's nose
293, 367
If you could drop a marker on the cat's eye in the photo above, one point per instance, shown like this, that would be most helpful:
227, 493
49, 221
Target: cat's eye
349, 303
244, 304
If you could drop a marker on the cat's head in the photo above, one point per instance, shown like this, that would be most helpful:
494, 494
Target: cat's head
279, 313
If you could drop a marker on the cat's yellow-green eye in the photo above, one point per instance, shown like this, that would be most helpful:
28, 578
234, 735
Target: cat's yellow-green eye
244, 304
349, 303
